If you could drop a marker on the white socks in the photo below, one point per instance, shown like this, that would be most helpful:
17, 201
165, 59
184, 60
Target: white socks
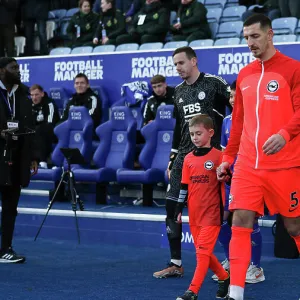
236, 292
176, 262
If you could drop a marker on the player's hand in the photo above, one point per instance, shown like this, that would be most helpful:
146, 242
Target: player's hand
223, 172
95, 41
168, 170
105, 40
177, 26
34, 167
274, 144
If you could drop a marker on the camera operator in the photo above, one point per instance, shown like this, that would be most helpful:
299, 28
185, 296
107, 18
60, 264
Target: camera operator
17, 154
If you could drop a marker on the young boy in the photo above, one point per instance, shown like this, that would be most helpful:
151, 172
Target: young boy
199, 185
255, 273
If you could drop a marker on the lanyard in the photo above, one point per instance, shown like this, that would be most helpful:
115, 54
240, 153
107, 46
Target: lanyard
12, 112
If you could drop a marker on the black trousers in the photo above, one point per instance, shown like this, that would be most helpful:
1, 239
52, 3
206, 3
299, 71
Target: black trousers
10, 199
7, 42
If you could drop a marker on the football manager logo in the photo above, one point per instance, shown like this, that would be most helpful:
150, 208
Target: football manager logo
272, 86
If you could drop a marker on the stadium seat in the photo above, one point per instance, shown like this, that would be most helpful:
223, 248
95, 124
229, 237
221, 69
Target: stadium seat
104, 48
173, 17
57, 16
128, 47
214, 26
285, 38
76, 132
297, 30
201, 43
230, 3
243, 41
63, 30
60, 97
175, 45
227, 42
116, 150
105, 102
230, 29
60, 51
298, 38
233, 13
151, 46
215, 3
82, 50
284, 25
50, 28
154, 156
69, 14
20, 42
214, 14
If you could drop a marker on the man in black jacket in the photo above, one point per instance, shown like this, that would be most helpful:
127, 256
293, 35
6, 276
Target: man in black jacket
162, 95
45, 115
17, 153
35, 12
8, 11
84, 96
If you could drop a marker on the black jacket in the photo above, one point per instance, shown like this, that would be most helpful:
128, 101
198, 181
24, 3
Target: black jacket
24, 150
90, 100
114, 24
8, 11
193, 18
156, 22
45, 112
87, 24
154, 102
35, 9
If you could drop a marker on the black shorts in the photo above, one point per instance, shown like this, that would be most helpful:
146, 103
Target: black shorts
175, 178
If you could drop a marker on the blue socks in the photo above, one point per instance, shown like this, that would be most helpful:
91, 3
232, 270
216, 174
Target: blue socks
225, 237
256, 241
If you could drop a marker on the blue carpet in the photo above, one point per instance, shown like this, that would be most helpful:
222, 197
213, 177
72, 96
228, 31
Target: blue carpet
64, 270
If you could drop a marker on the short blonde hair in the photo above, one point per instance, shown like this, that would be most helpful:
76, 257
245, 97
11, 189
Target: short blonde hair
205, 120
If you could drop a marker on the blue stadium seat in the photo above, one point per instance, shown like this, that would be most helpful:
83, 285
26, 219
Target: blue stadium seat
116, 150
105, 102
60, 51
104, 48
214, 14
201, 43
76, 132
297, 30
57, 15
243, 41
285, 38
59, 95
254, 5
215, 3
230, 29
173, 17
151, 46
69, 14
233, 13
82, 50
128, 47
298, 38
232, 3
284, 25
175, 45
227, 42
154, 156
63, 30
214, 26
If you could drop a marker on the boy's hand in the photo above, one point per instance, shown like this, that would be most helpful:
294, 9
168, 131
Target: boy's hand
223, 172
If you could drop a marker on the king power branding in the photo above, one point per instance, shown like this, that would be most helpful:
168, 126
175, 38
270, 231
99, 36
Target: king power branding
67, 70
147, 67
232, 63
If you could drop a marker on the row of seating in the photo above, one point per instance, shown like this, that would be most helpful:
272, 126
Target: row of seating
113, 160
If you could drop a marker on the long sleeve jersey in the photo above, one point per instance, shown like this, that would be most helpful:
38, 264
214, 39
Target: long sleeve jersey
267, 102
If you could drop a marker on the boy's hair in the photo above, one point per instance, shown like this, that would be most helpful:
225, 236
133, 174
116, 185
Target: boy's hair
190, 53
82, 75
233, 86
158, 79
205, 120
263, 20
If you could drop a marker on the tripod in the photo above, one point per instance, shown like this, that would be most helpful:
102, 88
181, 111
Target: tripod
73, 156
